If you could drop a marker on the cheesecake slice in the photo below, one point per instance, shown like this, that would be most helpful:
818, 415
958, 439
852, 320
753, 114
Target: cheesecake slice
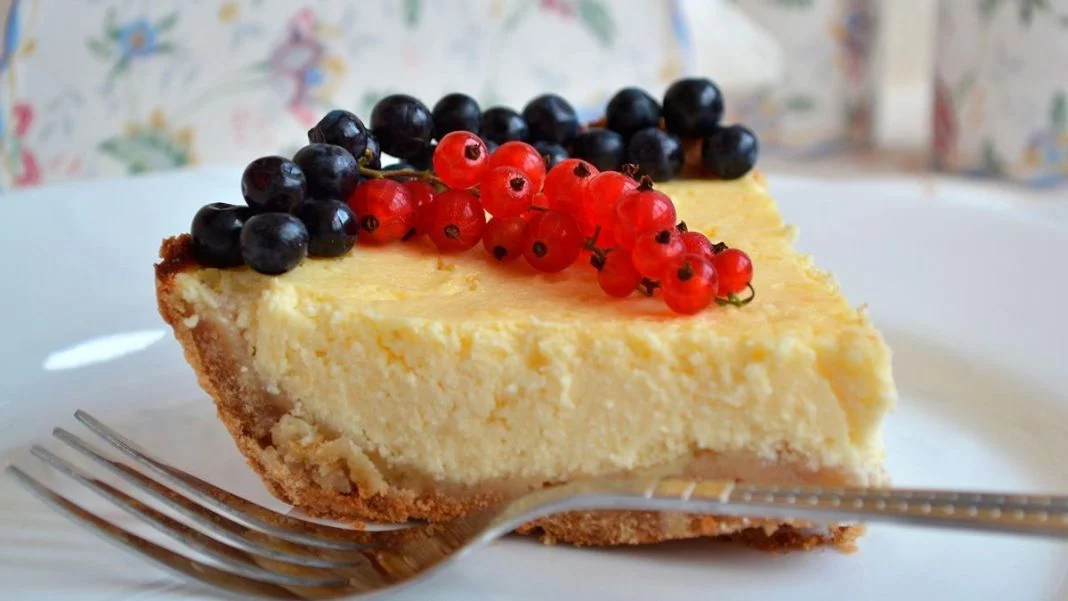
398, 383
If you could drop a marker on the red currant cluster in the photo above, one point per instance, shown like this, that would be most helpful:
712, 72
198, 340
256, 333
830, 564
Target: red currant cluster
626, 227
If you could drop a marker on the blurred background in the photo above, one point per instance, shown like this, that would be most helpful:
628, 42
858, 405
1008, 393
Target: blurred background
103, 88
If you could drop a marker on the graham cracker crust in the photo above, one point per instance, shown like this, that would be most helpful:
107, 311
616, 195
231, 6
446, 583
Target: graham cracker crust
215, 351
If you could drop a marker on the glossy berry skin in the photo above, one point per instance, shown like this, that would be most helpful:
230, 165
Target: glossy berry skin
551, 119
274, 243
216, 233
616, 274
539, 203
630, 111
503, 238
565, 186
332, 227
491, 146
552, 154
402, 124
424, 159
657, 154
384, 209
422, 195
341, 128
653, 252
642, 211
552, 242
330, 170
523, 157
692, 107
698, 244
460, 159
603, 148
372, 153
456, 112
690, 284
735, 271
273, 183
454, 221
730, 152
603, 193
506, 192
501, 124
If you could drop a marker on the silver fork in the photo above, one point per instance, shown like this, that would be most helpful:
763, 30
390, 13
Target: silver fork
274, 556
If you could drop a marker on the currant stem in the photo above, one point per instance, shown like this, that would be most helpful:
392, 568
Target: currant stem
647, 286
425, 176
735, 300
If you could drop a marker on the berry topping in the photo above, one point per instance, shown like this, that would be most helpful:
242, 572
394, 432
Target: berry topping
616, 274
330, 170
632, 110
552, 241
216, 233
551, 153
501, 124
422, 160
730, 152
690, 284
601, 147
331, 225
372, 154
692, 107
603, 193
454, 221
384, 209
402, 124
273, 184
422, 195
735, 271
657, 154
503, 238
537, 205
523, 157
565, 186
643, 210
274, 243
506, 192
456, 112
491, 146
551, 119
653, 252
341, 128
698, 244
461, 159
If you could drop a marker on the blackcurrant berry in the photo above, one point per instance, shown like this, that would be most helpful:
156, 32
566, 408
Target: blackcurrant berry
551, 119
274, 243
372, 153
730, 152
501, 124
552, 153
341, 128
456, 112
331, 225
423, 159
692, 107
331, 171
491, 146
632, 110
402, 124
273, 184
216, 233
657, 154
601, 147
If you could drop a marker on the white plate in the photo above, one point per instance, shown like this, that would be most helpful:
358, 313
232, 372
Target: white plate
969, 292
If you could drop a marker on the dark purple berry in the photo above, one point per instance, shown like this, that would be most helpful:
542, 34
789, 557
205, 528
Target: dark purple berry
491, 146
551, 119
730, 152
423, 159
273, 184
216, 233
372, 153
331, 225
692, 107
552, 153
657, 154
402, 124
632, 110
456, 112
274, 243
331, 171
341, 128
601, 147
501, 124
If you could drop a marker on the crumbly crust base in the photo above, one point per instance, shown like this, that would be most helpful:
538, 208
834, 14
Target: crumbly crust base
249, 414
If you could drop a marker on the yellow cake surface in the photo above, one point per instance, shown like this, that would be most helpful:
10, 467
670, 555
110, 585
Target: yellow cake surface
402, 369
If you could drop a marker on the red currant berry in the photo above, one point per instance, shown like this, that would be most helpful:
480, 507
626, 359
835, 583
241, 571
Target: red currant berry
503, 238
552, 241
460, 159
602, 194
735, 271
616, 273
523, 157
643, 210
654, 252
422, 195
565, 185
506, 192
698, 244
539, 204
455, 220
384, 210
690, 284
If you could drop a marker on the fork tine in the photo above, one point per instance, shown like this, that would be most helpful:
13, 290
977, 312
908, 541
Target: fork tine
234, 560
282, 526
238, 534
162, 557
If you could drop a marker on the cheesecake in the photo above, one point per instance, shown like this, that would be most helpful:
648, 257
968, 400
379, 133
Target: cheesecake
398, 383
